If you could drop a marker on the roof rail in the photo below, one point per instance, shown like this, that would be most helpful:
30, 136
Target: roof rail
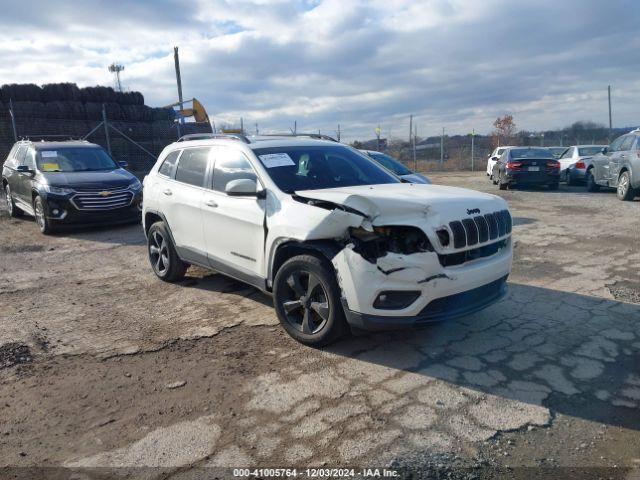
206, 136
317, 136
43, 138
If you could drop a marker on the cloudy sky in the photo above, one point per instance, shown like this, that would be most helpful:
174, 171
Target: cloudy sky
456, 64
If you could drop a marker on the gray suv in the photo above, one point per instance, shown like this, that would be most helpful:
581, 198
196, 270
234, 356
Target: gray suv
618, 166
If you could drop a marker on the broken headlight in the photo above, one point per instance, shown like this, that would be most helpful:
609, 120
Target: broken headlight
395, 239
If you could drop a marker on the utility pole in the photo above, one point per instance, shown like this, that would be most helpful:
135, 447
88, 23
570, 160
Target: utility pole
610, 121
410, 128
442, 147
257, 132
338, 132
13, 120
473, 136
241, 125
415, 134
116, 69
176, 60
542, 139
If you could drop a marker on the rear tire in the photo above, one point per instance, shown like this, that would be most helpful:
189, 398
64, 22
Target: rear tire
39, 212
501, 184
306, 297
162, 254
625, 191
14, 211
592, 186
569, 179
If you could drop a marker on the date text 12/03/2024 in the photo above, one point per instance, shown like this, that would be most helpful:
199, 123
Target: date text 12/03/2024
315, 472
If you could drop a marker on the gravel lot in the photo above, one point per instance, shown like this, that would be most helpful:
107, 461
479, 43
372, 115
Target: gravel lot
102, 365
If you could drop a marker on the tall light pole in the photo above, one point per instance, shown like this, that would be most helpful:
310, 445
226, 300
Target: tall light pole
116, 69
610, 119
473, 136
442, 147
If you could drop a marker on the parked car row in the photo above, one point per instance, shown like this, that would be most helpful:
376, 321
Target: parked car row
614, 166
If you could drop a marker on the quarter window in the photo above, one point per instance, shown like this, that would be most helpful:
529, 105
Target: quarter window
231, 165
192, 166
20, 155
168, 165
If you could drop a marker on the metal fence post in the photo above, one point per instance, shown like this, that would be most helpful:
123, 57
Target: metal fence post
13, 121
106, 127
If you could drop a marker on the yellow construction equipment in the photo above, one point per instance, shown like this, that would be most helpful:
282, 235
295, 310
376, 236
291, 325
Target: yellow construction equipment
196, 111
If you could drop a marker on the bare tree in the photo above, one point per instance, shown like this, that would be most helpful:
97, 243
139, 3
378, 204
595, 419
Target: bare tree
504, 131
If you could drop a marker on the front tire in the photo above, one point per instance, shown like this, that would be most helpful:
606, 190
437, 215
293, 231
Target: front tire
39, 212
306, 297
162, 254
592, 186
14, 212
625, 191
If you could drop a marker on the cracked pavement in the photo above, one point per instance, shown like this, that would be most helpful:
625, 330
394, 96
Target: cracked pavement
127, 371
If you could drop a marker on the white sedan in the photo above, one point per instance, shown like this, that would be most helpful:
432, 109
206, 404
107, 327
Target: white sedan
493, 158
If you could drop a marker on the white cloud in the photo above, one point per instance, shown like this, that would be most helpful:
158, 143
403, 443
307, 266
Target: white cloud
453, 63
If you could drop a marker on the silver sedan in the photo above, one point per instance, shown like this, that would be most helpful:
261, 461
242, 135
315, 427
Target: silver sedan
575, 160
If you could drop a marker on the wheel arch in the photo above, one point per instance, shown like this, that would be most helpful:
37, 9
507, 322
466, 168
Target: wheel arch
288, 248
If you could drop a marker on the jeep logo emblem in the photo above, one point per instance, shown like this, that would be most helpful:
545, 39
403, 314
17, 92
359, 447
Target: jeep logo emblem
471, 211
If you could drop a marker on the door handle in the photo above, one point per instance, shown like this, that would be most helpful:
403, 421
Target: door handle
623, 156
211, 203
167, 192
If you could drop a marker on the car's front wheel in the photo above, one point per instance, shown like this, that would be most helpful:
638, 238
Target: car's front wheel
162, 254
592, 186
11, 206
44, 224
625, 190
307, 301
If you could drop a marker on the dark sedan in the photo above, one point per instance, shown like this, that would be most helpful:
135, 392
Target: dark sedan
396, 167
526, 166
69, 183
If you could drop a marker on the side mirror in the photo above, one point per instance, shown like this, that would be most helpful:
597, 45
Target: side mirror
604, 149
23, 169
123, 164
242, 187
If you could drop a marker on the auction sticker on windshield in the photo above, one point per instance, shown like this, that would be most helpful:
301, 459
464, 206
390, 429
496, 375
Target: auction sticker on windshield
272, 160
49, 154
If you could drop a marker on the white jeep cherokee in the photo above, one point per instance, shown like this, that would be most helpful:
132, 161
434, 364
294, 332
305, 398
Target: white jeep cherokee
339, 241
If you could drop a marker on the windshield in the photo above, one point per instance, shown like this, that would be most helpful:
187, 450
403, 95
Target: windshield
75, 160
531, 153
584, 151
390, 163
318, 167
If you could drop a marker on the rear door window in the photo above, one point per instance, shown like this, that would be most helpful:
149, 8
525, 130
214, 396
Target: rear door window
168, 165
615, 145
192, 166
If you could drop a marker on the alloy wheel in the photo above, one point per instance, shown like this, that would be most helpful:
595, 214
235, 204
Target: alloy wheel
39, 214
623, 186
305, 302
7, 193
159, 252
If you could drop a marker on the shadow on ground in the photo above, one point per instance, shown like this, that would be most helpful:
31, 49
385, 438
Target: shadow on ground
575, 354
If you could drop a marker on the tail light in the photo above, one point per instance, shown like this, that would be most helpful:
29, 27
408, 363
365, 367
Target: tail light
580, 164
552, 165
514, 165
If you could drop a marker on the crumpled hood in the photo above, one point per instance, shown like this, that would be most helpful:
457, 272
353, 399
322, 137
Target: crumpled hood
395, 203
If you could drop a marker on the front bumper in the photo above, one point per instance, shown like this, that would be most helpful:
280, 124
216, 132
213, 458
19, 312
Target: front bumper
60, 210
445, 292
444, 308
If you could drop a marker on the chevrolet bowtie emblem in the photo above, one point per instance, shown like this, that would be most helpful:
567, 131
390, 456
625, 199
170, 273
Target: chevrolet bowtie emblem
105, 193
